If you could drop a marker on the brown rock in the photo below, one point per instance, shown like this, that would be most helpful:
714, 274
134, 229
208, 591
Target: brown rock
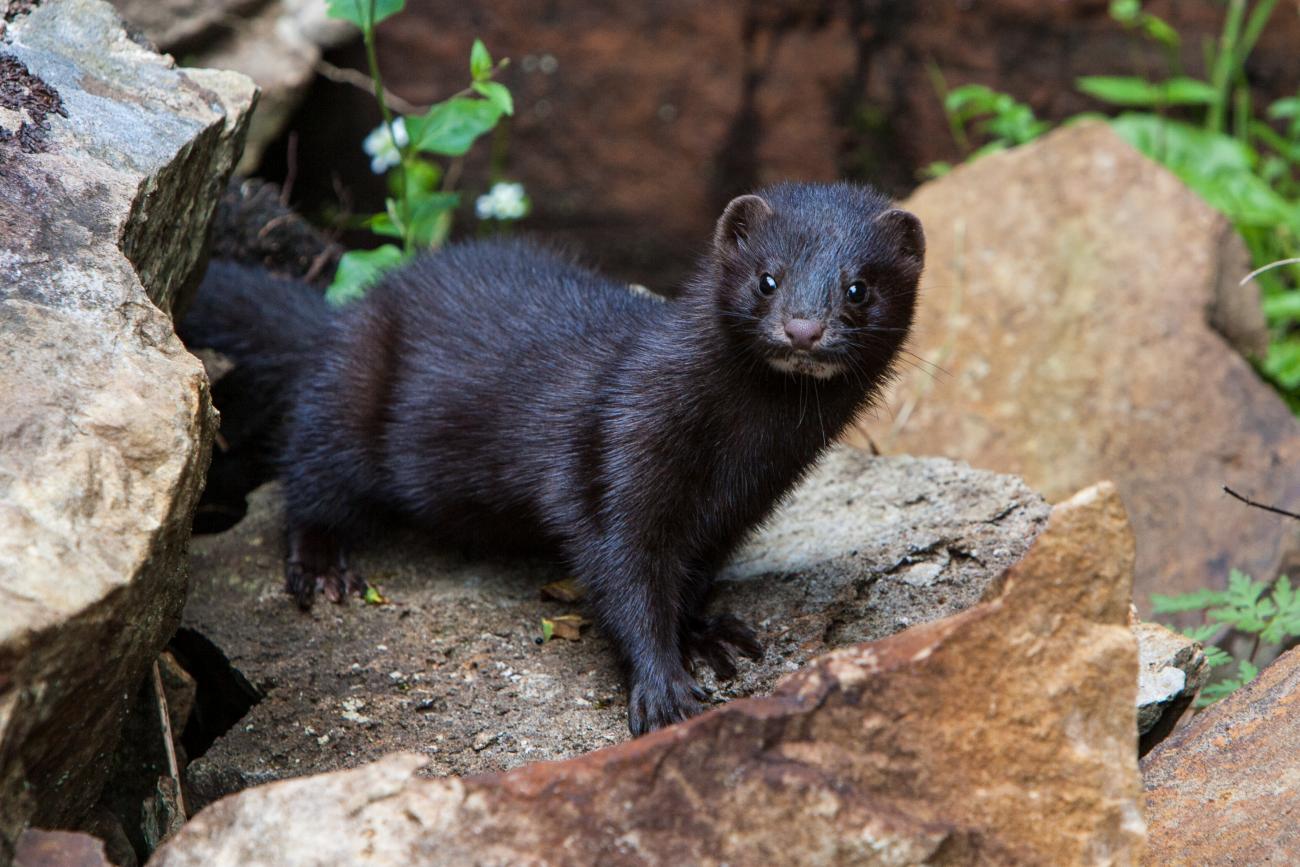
59, 849
1226, 789
1066, 297
104, 418
1003, 734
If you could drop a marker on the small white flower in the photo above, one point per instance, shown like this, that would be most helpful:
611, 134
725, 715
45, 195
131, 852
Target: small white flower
384, 152
505, 201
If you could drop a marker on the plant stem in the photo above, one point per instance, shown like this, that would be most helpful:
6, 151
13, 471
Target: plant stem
372, 59
1224, 64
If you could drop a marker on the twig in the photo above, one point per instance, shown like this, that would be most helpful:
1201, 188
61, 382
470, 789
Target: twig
362, 81
1269, 267
164, 717
291, 174
1249, 502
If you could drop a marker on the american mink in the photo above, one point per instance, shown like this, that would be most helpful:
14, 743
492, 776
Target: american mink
496, 391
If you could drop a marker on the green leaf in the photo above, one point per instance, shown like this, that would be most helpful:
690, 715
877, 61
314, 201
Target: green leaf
382, 224
358, 11
1119, 90
431, 218
1285, 108
451, 127
1202, 633
1197, 600
497, 94
548, 629
1216, 657
1282, 363
358, 269
1125, 11
480, 62
1131, 91
1247, 671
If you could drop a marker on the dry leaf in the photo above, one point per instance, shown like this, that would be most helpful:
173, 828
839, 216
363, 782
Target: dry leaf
563, 591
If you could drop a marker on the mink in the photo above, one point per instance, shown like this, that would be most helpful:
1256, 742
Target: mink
497, 392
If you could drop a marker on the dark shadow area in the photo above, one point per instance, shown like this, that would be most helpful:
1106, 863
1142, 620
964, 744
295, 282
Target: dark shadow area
223, 696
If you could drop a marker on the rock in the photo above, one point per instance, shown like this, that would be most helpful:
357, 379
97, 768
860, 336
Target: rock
451, 669
59, 849
109, 172
1226, 788
278, 44
1171, 671
1002, 734
1066, 296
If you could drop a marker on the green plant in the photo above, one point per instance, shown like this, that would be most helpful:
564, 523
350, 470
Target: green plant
418, 210
975, 110
1270, 615
1244, 163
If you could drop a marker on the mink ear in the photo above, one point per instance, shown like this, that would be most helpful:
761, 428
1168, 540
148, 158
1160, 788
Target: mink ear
738, 221
904, 229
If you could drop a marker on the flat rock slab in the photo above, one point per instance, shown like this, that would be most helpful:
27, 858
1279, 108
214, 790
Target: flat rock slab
1226, 788
1000, 735
1084, 305
450, 668
111, 164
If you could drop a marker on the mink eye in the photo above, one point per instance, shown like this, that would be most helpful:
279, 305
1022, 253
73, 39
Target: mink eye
767, 284
857, 292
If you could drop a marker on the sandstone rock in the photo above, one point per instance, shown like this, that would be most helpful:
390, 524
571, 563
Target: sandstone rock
451, 669
1171, 671
1066, 296
1226, 788
111, 168
1002, 734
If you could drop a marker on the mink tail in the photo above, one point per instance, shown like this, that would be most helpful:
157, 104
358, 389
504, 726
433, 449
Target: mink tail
270, 328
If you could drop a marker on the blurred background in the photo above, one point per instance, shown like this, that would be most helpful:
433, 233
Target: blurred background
637, 121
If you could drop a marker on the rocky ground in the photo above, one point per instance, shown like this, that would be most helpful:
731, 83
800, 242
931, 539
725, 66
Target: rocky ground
451, 667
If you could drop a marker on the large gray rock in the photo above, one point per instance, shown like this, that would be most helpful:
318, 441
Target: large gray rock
1081, 300
111, 162
450, 669
1000, 735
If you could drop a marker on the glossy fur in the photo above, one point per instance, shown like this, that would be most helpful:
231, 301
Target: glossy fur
495, 392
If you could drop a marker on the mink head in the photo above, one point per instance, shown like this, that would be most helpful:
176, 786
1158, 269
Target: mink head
817, 279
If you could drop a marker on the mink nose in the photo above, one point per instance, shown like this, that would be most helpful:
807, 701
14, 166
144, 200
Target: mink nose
803, 333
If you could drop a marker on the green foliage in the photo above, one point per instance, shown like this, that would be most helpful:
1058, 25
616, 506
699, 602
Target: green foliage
363, 13
1271, 615
1244, 162
418, 211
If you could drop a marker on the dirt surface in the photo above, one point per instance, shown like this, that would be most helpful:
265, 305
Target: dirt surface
451, 668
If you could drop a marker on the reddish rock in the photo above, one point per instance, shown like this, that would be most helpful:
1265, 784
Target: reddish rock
1226, 788
1003, 734
1068, 297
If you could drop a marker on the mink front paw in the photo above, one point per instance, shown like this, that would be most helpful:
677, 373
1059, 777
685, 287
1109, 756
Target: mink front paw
716, 640
334, 582
660, 701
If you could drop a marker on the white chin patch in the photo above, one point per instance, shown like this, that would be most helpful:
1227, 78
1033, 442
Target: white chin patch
805, 366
